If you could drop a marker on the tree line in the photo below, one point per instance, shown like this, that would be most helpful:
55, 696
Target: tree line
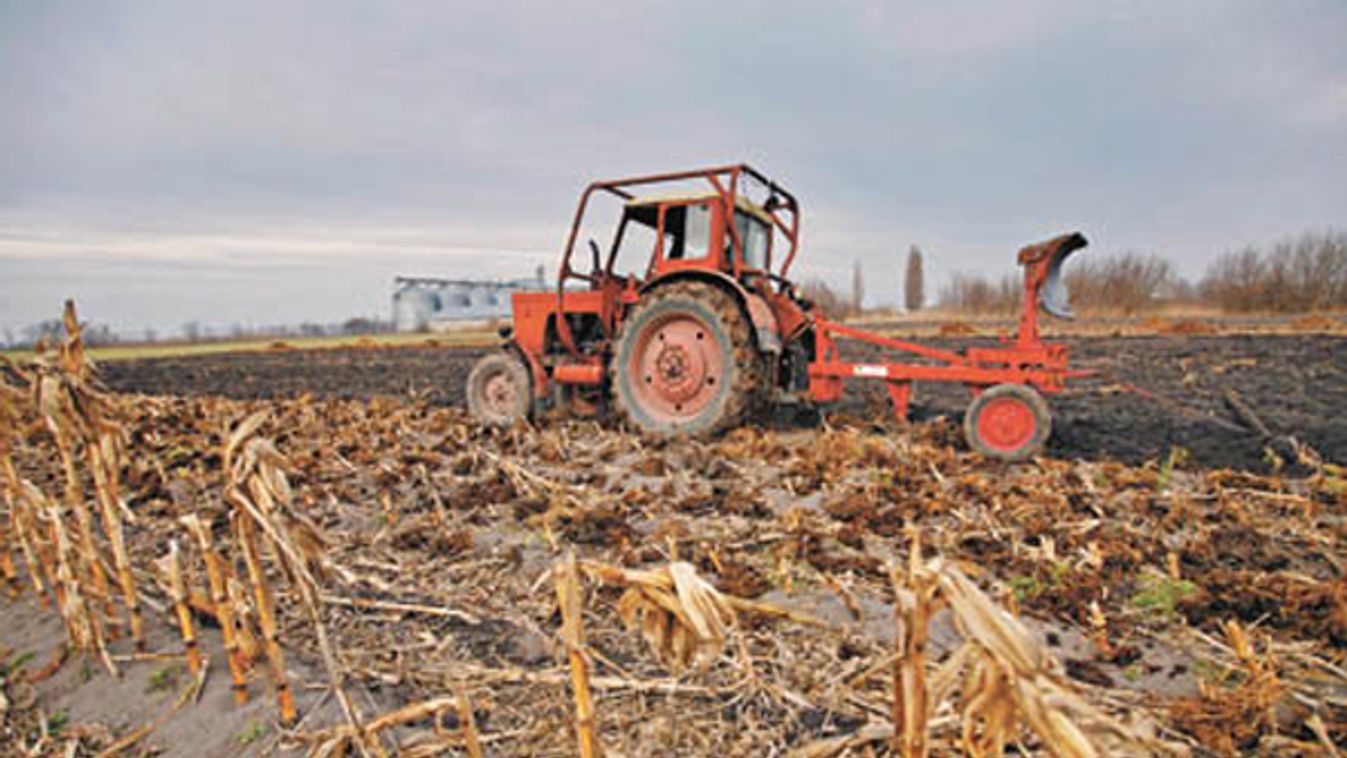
1307, 273
1296, 275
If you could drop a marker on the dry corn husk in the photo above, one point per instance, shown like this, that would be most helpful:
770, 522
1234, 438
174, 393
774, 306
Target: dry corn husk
682, 618
1005, 681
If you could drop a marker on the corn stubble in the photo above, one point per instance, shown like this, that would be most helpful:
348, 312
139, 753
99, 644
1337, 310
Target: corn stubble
1005, 681
764, 593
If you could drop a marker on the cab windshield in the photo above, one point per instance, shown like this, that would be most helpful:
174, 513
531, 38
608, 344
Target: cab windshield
755, 235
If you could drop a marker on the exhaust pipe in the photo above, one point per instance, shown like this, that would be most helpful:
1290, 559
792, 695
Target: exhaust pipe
1043, 272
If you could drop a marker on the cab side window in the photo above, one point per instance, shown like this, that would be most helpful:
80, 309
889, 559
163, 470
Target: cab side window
688, 228
754, 236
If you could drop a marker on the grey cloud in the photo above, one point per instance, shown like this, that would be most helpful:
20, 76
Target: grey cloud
969, 127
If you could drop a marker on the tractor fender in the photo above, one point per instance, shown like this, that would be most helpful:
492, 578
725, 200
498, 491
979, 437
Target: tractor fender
766, 329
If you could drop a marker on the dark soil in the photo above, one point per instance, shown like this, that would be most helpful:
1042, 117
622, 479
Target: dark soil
1297, 385
437, 374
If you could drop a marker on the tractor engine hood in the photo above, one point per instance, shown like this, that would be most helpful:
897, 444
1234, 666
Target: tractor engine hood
1043, 268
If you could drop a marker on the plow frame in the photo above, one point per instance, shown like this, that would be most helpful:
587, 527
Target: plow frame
1024, 359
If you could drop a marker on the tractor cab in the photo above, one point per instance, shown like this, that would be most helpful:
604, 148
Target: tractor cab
660, 235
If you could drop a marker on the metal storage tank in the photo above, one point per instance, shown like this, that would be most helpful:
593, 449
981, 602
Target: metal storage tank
426, 303
413, 308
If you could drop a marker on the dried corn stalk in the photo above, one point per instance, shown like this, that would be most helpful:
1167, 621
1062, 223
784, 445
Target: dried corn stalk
338, 741
111, 509
9, 539
171, 566
915, 605
259, 492
265, 601
682, 618
84, 628
468, 723
1005, 680
1235, 713
566, 577
79, 415
224, 608
37, 534
90, 562
25, 533
104, 440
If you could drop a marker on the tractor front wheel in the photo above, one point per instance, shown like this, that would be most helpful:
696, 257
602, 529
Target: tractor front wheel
1009, 421
499, 389
686, 362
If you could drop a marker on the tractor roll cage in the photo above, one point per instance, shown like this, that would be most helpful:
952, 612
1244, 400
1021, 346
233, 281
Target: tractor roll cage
725, 181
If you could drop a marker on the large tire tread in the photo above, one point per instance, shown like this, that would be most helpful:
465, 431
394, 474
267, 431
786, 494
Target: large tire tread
494, 363
748, 371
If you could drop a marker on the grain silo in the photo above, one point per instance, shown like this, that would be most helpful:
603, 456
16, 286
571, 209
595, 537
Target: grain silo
429, 304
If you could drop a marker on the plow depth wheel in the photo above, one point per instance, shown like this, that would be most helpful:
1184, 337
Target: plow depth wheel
1008, 421
685, 362
499, 389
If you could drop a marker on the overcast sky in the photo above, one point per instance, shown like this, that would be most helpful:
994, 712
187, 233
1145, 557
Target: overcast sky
268, 162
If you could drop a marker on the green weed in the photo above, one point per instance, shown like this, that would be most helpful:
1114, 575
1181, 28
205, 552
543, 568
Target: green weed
165, 678
58, 721
1160, 594
1178, 455
15, 663
1025, 587
251, 733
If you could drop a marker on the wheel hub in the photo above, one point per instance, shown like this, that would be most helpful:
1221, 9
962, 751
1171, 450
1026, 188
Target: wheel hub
679, 374
676, 368
1006, 424
498, 394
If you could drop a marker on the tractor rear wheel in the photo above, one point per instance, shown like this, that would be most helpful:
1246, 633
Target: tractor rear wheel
686, 362
500, 390
1009, 421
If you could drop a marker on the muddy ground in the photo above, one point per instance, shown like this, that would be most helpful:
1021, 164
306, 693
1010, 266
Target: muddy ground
1204, 607
1128, 577
1297, 384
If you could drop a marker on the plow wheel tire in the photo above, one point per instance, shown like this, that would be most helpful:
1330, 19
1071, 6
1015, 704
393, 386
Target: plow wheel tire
1009, 421
686, 362
500, 390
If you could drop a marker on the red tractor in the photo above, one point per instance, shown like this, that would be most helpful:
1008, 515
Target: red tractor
684, 325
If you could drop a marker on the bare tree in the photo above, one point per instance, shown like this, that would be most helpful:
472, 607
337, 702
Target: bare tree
914, 282
980, 294
857, 288
49, 330
1304, 274
1128, 282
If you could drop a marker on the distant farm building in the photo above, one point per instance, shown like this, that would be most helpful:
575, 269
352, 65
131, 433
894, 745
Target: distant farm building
422, 304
